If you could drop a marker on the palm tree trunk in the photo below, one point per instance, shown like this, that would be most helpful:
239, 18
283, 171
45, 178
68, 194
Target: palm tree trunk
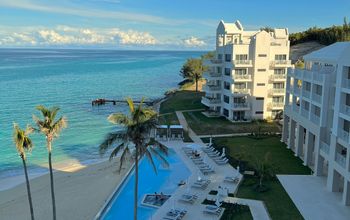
28, 189
196, 83
52, 186
136, 183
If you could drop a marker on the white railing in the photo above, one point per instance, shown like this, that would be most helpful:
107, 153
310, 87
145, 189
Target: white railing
324, 147
277, 77
318, 77
246, 76
316, 97
216, 61
213, 87
341, 160
280, 62
210, 100
276, 91
214, 74
314, 118
345, 109
306, 94
346, 83
344, 135
241, 105
241, 90
308, 75
242, 62
305, 113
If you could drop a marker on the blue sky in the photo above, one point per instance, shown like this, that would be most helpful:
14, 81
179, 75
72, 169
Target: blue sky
154, 24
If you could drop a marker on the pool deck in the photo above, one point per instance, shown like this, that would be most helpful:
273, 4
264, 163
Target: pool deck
195, 210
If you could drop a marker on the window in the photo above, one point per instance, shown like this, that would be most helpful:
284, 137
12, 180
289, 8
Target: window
219, 56
228, 57
226, 99
259, 98
318, 89
279, 71
306, 105
239, 100
260, 84
225, 112
227, 85
259, 112
317, 111
227, 71
262, 55
348, 72
346, 125
219, 69
280, 57
261, 70
241, 56
240, 85
278, 99
240, 71
307, 86
347, 99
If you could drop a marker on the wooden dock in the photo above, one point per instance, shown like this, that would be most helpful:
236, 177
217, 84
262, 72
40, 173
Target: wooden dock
99, 102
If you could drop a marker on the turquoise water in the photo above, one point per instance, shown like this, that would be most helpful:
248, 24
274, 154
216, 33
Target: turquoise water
70, 79
166, 181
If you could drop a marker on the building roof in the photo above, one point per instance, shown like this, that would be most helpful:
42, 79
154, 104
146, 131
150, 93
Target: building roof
335, 53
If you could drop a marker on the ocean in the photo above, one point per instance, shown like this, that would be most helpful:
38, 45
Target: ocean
71, 79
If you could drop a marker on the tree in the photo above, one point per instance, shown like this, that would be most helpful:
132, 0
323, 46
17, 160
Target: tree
24, 143
193, 70
135, 135
267, 29
51, 128
265, 169
208, 56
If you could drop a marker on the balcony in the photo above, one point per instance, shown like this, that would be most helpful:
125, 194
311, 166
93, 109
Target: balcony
210, 88
346, 83
310, 75
275, 105
241, 106
242, 63
315, 119
276, 91
211, 75
306, 93
213, 62
280, 63
345, 109
246, 77
209, 101
305, 113
242, 91
316, 97
341, 160
344, 135
324, 147
277, 77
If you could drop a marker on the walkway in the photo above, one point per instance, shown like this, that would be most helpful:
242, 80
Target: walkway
195, 211
313, 200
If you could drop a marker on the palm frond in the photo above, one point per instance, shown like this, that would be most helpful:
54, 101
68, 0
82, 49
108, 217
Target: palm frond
131, 105
116, 150
159, 156
150, 159
58, 126
110, 139
22, 141
125, 153
119, 118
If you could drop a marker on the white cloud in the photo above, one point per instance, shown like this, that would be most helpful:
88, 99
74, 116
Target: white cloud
194, 42
71, 36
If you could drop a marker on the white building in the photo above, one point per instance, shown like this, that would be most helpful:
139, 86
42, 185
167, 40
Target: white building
246, 80
317, 115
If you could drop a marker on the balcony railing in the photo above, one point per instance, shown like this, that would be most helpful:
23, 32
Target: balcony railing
277, 77
241, 90
211, 74
346, 83
210, 100
324, 147
276, 91
242, 62
212, 87
345, 109
280, 63
344, 135
316, 97
305, 113
241, 105
216, 61
242, 77
315, 119
306, 93
341, 160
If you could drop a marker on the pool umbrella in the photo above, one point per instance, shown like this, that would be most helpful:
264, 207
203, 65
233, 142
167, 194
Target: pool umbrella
217, 202
210, 141
223, 152
199, 178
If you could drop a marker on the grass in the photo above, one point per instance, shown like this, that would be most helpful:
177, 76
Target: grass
248, 149
180, 100
202, 125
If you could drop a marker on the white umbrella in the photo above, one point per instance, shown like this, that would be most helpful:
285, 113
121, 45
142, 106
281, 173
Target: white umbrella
217, 202
223, 152
210, 141
199, 178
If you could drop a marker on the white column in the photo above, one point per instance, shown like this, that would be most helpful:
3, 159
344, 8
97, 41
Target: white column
299, 140
285, 129
346, 193
291, 140
318, 159
308, 149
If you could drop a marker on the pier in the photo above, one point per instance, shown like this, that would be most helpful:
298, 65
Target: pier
99, 102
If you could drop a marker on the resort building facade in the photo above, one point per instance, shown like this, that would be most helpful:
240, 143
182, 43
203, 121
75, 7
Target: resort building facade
317, 115
246, 80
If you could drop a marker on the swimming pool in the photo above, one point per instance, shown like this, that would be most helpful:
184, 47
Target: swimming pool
121, 206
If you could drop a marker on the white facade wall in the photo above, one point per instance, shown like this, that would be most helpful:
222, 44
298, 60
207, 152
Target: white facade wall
317, 115
251, 53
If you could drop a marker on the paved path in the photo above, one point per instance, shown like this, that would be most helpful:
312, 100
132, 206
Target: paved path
195, 211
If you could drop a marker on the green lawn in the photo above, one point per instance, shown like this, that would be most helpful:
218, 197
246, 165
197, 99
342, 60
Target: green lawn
202, 125
248, 149
181, 100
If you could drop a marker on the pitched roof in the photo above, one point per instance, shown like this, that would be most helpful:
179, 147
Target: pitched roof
336, 53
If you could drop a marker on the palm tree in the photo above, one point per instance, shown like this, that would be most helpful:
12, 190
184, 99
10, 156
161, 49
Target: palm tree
24, 143
137, 126
265, 169
51, 128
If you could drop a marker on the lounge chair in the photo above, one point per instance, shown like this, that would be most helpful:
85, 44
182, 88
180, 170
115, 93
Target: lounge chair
214, 154
223, 162
188, 198
231, 179
212, 209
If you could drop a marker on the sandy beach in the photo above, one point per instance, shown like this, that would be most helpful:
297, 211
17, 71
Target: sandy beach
79, 193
